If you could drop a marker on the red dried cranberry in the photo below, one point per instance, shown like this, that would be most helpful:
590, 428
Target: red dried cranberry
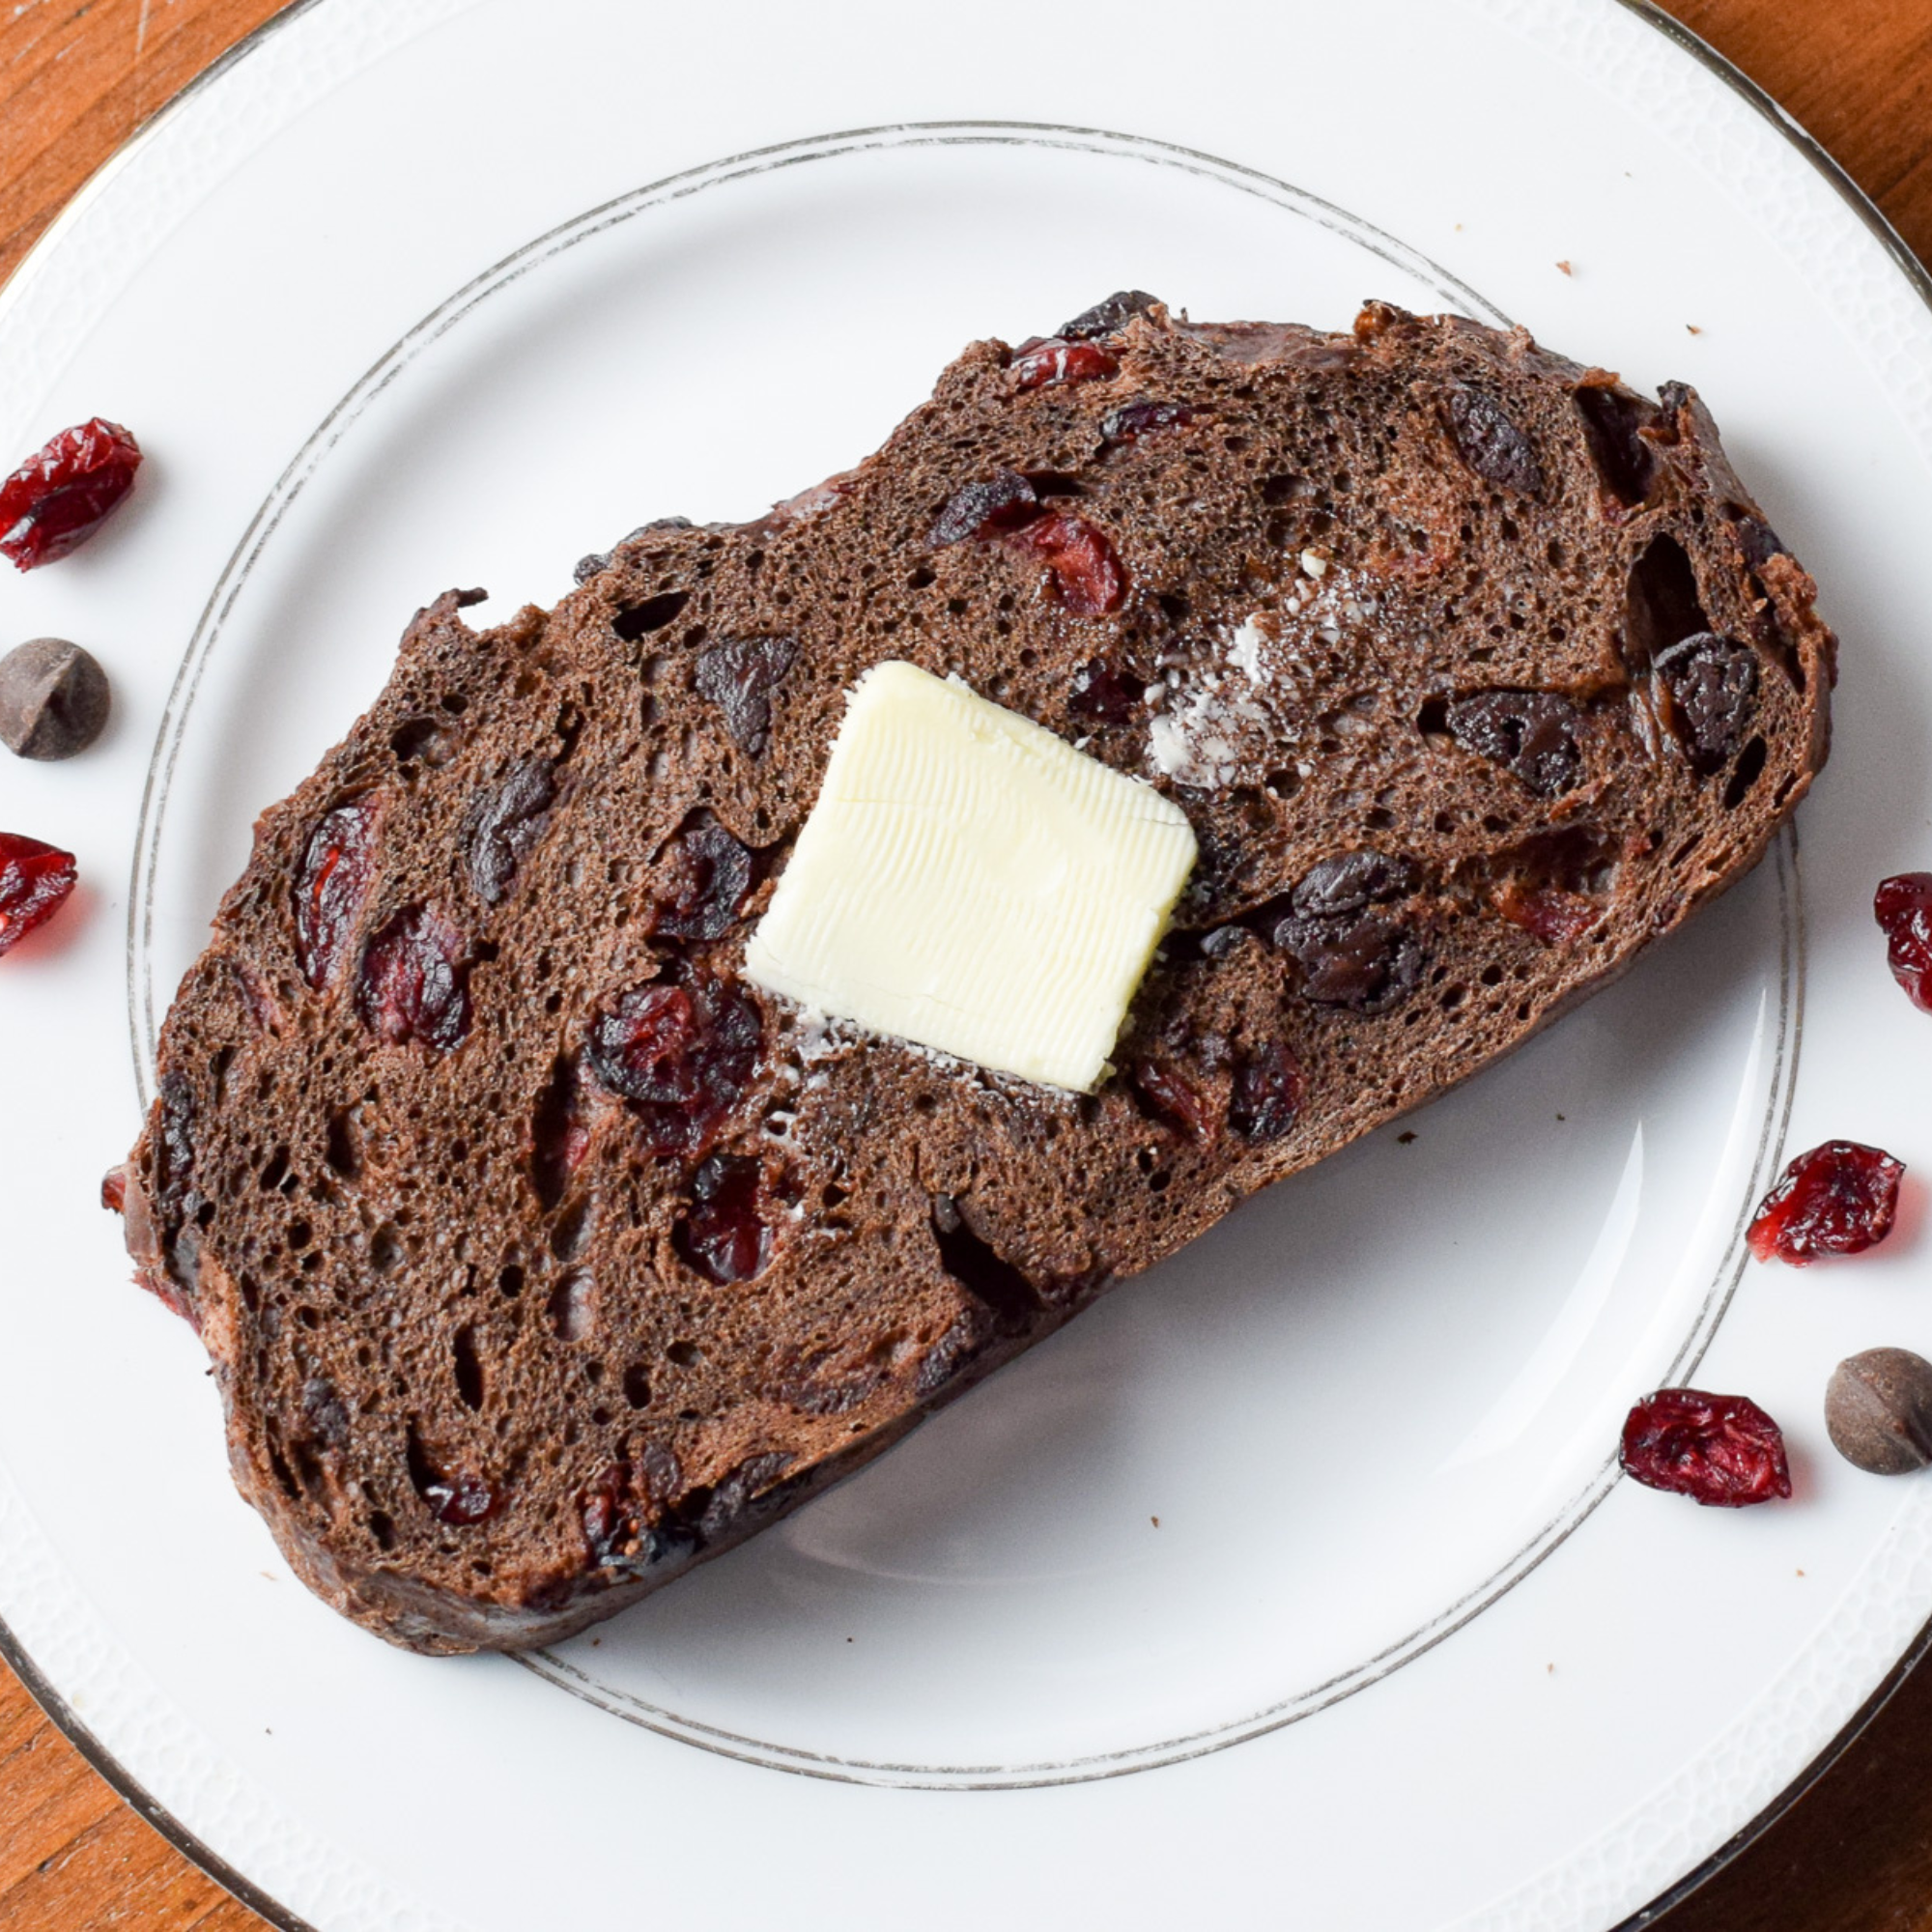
682, 1055
724, 1237
1108, 317
1176, 1100
1721, 1450
460, 1499
1488, 443
1840, 1199
1003, 503
1103, 692
1531, 733
413, 983
33, 881
739, 676
337, 868
710, 874
1903, 909
1138, 419
1046, 362
1268, 1090
1555, 916
60, 497
114, 1190
1085, 573
503, 825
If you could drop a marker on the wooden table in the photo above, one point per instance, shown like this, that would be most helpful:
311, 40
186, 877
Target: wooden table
77, 76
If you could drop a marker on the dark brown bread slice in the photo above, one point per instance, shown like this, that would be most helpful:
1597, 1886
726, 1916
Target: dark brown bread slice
539, 1258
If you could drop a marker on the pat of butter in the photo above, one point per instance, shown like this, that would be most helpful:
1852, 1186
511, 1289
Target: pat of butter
970, 882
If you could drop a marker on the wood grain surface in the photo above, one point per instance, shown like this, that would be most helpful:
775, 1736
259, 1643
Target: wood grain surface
77, 77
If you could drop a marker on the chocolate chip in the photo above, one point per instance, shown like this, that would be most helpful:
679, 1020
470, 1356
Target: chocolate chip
1352, 880
1488, 443
1107, 317
53, 700
1878, 1410
1362, 962
1710, 684
1532, 733
739, 675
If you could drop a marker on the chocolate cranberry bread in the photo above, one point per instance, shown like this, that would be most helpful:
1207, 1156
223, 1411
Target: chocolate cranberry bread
541, 1255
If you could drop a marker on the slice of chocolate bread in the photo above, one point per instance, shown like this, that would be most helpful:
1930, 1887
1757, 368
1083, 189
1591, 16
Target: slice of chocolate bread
540, 1256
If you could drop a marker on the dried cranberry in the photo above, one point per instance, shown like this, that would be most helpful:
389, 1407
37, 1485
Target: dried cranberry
614, 1531
1721, 1450
1177, 1099
60, 497
682, 1055
1531, 733
1268, 1090
739, 676
505, 823
337, 868
1710, 688
1003, 503
460, 1499
710, 874
1109, 317
114, 1190
1840, 1199
1137, 419
722, 1236
34, 880
1488, 443
1045, 363
1555, 916
1085, 573
1903, 909
413, 983
1105, 692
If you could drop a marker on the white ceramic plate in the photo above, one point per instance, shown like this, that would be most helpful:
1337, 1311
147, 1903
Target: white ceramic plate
415, 295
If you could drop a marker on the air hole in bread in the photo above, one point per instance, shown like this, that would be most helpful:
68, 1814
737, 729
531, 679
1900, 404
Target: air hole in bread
469, 1367
638, 620
571, 1308
1750, 767
1662, 604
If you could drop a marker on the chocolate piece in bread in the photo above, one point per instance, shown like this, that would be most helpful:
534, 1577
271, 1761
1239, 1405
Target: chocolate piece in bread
539, 1257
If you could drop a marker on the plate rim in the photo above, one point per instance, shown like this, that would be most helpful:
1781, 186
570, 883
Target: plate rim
56, 1708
